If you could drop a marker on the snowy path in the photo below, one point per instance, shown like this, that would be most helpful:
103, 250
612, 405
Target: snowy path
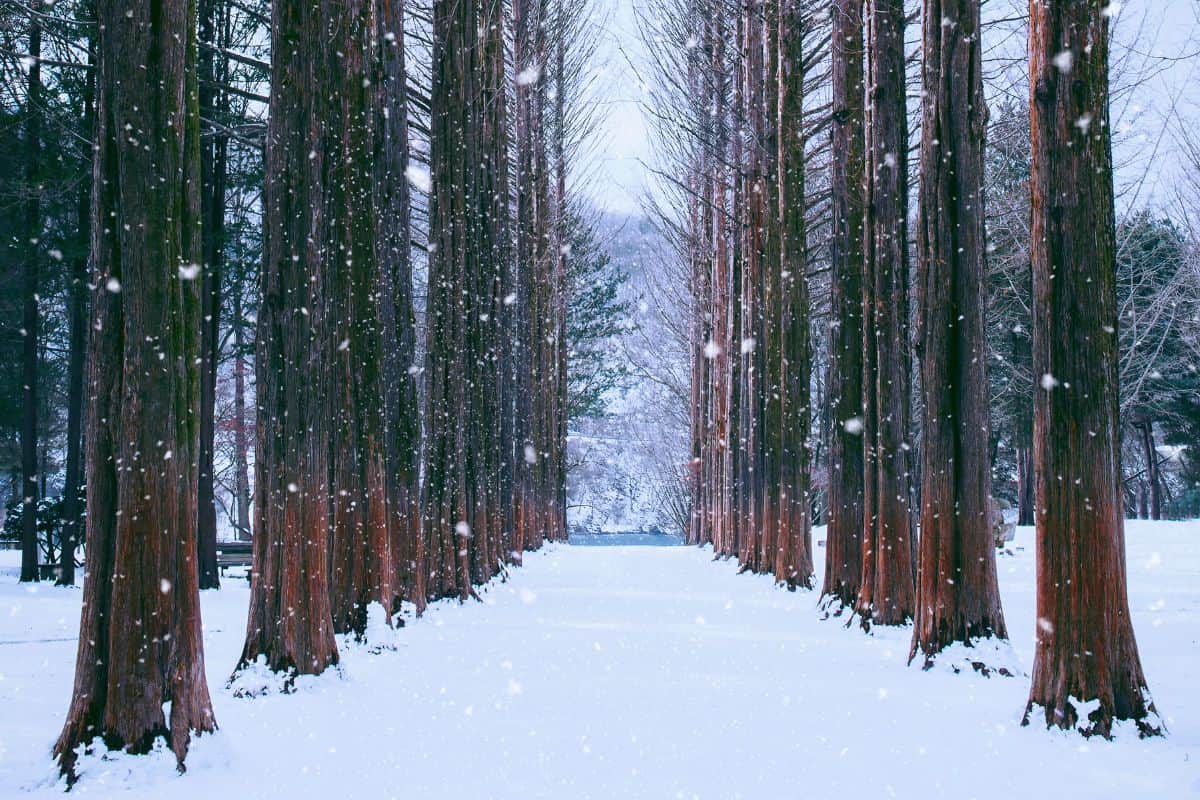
600, 672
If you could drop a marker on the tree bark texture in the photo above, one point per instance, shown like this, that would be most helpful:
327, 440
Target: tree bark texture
30, 317
77, 361
361, 537
394, 204
844, 533
1085, 649
464, 505
212, 200
140, 641
887, 591
790, 358
958, 598
290, 624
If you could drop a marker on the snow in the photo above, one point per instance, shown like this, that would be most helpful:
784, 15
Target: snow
600, 672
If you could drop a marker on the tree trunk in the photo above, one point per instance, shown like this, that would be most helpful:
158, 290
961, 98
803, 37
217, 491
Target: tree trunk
77, 360
793, 559
395, 265
843, 538
1150, 455
30, 316
1025, 483
140, 646
886, 594
241, 444
362, 538
212, 199
958, 598
464, 502
1085, 647
290, 625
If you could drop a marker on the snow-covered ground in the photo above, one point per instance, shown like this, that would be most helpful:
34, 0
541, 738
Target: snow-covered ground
600, 672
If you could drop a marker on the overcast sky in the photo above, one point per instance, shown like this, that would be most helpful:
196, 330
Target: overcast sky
1156, 33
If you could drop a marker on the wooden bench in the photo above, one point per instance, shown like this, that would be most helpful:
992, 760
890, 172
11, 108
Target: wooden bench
234, 554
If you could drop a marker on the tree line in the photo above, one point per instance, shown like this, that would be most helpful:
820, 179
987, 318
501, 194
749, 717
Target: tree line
345, 233
906, 313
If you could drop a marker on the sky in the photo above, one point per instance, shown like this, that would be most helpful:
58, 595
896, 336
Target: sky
622, 144
1157, 33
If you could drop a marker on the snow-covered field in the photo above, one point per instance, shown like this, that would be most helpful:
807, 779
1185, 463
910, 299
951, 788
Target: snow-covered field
600, 672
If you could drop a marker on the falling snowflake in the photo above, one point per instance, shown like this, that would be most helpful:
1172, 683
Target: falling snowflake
530, 75
418, 176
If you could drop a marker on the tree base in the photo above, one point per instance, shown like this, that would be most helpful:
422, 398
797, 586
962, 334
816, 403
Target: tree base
1093, 718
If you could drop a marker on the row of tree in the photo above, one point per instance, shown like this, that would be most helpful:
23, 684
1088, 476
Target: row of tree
797, 140
345, 138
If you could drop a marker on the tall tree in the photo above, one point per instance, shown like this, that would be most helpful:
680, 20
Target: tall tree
140, 646
1085, 651
30, 315
78, 343
533, 309
791, 365
886, 594
290, 624
958, 598
393, 251
361, 560
213, 160
464, 500
843, 539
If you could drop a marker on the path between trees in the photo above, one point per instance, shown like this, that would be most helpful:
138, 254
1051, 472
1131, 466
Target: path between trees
599, 672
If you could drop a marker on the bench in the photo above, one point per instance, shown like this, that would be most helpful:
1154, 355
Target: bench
234, 554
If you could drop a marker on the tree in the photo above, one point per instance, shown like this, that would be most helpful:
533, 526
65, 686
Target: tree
352, 277
886, 594
466, 492
140, 646
1085, 652
843, 538
78, 343
290, 624
30, 314
958, 598
213, 164
393, 251
790, 365
596, 316
1009, 293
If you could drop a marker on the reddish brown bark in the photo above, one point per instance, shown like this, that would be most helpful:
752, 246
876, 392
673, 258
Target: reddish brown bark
361, 560
790, 357
140, 641
887, 592
958, 598
290, 624
1085, 649
843, 538
464, 504
393, 251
